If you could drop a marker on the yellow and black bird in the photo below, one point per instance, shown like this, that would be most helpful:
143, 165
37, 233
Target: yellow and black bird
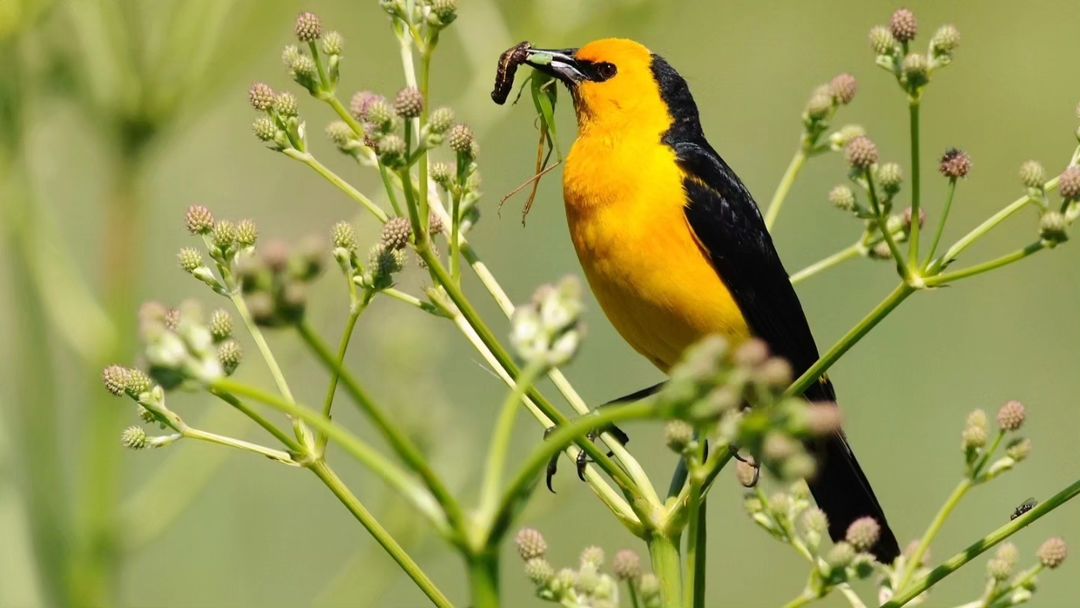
673, 244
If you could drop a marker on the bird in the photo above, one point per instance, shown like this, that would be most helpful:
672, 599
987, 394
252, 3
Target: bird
673, 245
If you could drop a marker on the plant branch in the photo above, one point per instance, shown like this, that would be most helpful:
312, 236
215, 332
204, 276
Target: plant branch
786, 182
916, 186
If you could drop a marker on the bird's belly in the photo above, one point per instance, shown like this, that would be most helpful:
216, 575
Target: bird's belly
652, 279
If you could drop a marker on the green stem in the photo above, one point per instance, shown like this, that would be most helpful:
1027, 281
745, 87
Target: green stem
983, 545
394, 476
259, 419
484, 580
399, 441
500, 440
803, 599
784, 187
303, 435
931, 533
847, 253
631, 590
239, 444
916, 188
941, 223
664, 552
852, 337
425, 76
994, 264
380, 534
882, 221
356, 310
455, 237
696, 541
336, 180
563, 436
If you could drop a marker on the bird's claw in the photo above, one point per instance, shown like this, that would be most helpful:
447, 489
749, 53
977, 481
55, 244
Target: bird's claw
582, 460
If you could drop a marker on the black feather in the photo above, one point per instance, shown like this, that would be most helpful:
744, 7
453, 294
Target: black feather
729, 228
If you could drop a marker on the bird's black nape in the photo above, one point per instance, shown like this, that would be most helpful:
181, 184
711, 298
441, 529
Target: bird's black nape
676, 94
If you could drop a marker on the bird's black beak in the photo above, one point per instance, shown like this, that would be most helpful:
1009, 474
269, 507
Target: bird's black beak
558, 63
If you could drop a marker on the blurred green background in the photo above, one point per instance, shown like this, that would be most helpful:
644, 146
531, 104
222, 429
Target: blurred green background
261, 535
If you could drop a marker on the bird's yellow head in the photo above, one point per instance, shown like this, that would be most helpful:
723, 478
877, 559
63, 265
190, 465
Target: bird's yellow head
614, 83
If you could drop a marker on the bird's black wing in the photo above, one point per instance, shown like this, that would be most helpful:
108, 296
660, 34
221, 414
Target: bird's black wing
729, 228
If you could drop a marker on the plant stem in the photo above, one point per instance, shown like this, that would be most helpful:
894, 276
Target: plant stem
303, 435
696, 542
356, 309
500, 440
259, 419
882, 221
941, 223
803, 599
399, 441
664, 553
372, 525
916, 189
484, 580
394, 476
336, 180
818, 369
982, 545
847, 253
784, 187
239, 444
994, 264
935, 527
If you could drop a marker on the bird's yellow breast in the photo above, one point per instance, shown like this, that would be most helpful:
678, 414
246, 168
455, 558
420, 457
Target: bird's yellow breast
625, 209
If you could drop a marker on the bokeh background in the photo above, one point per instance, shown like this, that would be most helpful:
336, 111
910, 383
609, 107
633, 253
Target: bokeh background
121, 113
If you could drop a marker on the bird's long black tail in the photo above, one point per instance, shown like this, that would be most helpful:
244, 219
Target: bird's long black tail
844, 494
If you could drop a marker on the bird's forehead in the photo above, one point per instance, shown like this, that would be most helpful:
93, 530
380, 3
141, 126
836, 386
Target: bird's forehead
620, 51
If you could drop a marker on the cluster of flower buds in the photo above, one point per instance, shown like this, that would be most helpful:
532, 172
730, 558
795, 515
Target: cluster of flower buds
548, 330
587, 585
823, 103
382, 122
275, 282
979, 447
428, 17
279, 123
892, 46
1055, 220
384, 259
791, 518
1005, 587
737, 395
307, 68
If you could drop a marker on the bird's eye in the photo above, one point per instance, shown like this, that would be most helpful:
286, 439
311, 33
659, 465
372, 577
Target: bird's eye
605, 71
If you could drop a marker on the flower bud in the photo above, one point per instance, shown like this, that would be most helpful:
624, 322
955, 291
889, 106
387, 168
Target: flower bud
115, 379
903, 25
977, 418
592, 557
361, 103
649, 586
539, 571
746, 472
308, 27
396, 233
1053, 226
442, 174
189, 259
261, 96
1032, 174
286, 105
843, 87
341, 134
460, 139
973, 438
530, 543
861, 153
137, 383
842, 197
224, 234
1018, 449
1011, 416
863, 533
230, 355
815, 520
333, 43
626, 565
391, 149
409, 103
199, 220
134, 438
342, 235
841, 555
955, 164
890, 176
1053, 552
678, 435
221, 325
1069, 183
441, 120
819, 105
916, 69
264, 128
445, 10
945, 40
882, 42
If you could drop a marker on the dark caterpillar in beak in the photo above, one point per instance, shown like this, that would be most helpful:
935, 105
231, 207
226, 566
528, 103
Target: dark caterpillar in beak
508, 65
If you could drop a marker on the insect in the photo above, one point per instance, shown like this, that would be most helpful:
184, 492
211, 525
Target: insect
508, 65
1024, 507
